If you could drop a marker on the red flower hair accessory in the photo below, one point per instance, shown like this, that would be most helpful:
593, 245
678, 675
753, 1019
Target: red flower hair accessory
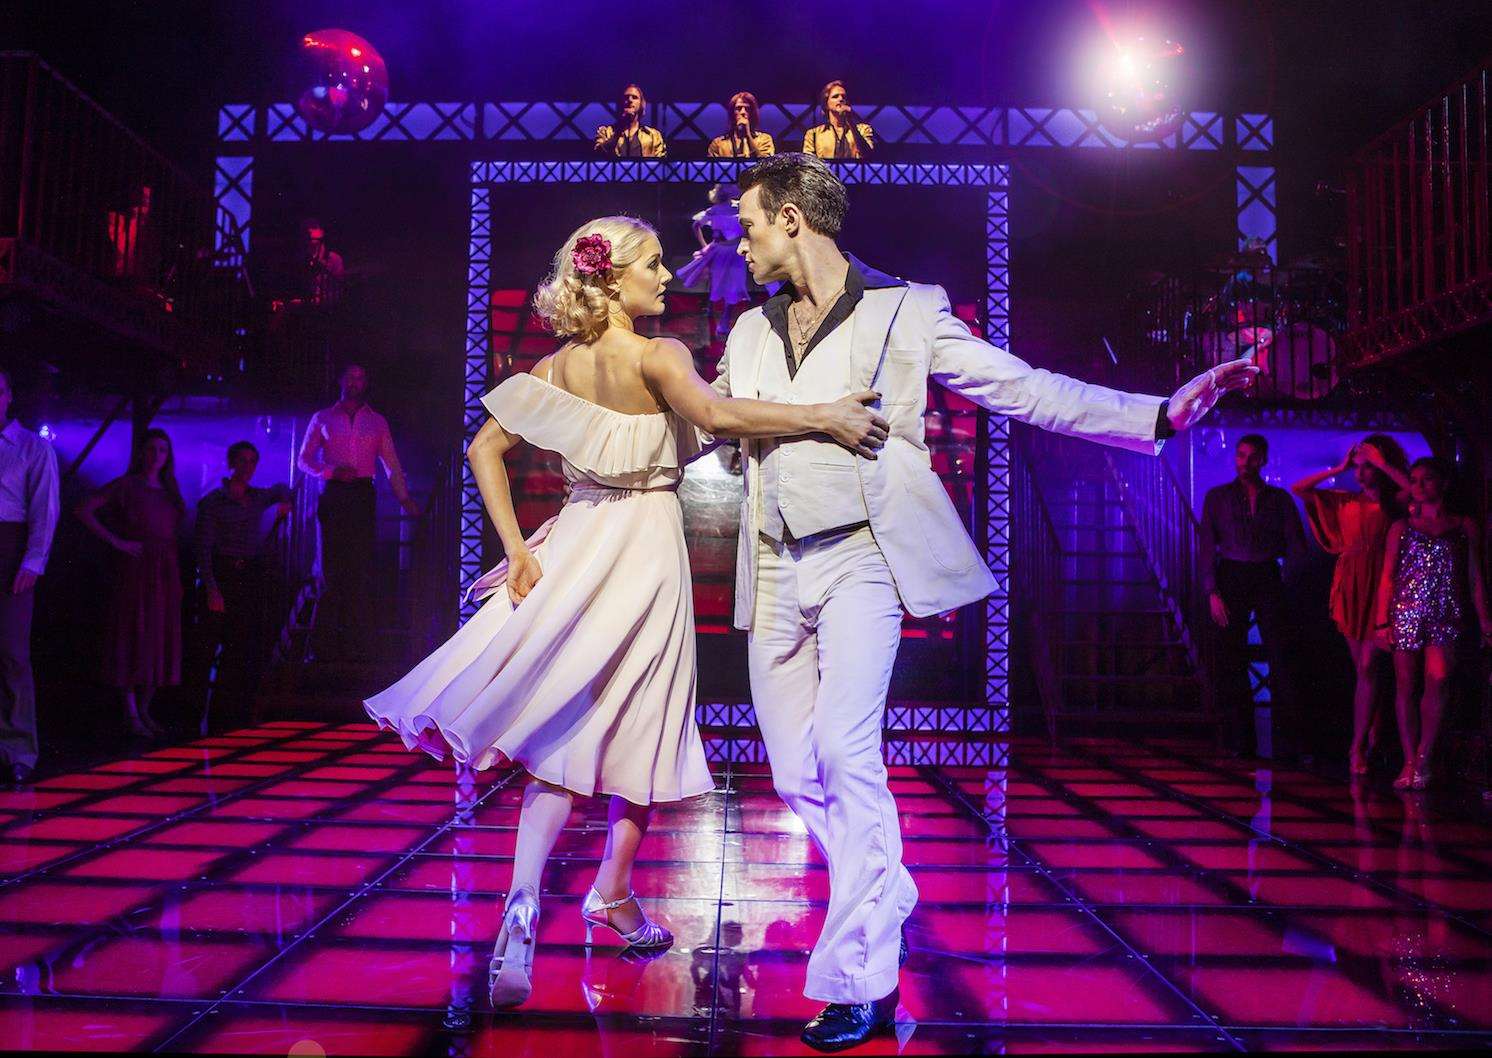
591, 255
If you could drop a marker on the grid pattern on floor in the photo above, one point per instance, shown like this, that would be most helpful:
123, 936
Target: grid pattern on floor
303, 881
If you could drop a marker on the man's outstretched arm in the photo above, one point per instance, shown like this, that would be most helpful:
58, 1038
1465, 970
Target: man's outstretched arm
1001, 382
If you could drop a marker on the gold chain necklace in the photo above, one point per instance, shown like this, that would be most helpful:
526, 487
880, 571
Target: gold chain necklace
807, 332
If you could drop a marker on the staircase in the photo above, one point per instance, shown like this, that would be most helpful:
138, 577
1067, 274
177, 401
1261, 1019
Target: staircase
1110, 640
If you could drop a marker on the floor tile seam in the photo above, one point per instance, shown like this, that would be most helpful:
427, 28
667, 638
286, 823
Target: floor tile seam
961, 799
725, 811
310, 932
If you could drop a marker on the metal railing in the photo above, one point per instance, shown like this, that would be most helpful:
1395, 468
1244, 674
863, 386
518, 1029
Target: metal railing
1168, 534
1419, 211
1036, 570
91, 213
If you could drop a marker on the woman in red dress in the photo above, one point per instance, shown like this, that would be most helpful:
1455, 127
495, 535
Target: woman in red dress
142, 626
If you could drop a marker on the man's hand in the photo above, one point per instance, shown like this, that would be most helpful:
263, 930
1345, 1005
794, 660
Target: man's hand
215, 602
855, 426
523, 574
1219, 610
24, 582
411, 508
1195, 399
132, 548
282, 510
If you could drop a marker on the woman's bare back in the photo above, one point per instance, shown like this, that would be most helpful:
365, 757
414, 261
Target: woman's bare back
607, 372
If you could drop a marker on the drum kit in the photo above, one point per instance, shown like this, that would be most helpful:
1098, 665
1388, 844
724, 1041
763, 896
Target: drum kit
1285, 315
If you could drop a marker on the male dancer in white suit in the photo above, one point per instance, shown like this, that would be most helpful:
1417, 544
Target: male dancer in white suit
834, 545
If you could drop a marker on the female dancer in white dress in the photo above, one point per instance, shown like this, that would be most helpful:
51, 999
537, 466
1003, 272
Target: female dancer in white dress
580, 666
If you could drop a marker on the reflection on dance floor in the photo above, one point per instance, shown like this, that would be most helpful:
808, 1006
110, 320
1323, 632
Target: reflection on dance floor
300, 886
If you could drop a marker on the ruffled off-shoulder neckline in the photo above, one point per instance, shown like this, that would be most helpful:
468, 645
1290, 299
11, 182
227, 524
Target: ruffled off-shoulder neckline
615, 447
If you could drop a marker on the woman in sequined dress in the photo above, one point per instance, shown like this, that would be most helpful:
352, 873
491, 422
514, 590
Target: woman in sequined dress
1432, 575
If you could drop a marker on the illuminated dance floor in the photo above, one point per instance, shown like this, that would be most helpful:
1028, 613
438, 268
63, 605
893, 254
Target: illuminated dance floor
315, 887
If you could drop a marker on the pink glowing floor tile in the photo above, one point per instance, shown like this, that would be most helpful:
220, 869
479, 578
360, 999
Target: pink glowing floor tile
249, 1030
372, 757
280, 912
271, 808
49, 903
674, 984
1109, 789
598, 1036
159, 968
1393, 860
1021, 807
1191, 830
340, 771
1084, 992
431, 792
1199, 933
1465, 991
1139, 887
324, 870
1303, 890
1396, 934
396, 812
447, 874
1459, 893
203, 784
146, 865
155, 806
1208, 791
996, 888
41, 1025
328, 838
300, 788
140, 766
230, 741
1244, 856
73, 828
1126, 808
989, 853
18, 948
792, 847
239, 769
1098, 854
280, 756
1316, 996
1248, 807
200, 754
35, 800
213, 834
78, 781
774, 881
1003, 931
19, 857
348, 972
1028, 827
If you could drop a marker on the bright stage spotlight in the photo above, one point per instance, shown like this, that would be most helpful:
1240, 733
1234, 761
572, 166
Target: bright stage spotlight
1135, 86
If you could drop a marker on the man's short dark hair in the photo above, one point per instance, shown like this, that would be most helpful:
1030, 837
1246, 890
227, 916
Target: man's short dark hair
807, 183
1257, 442
239, 446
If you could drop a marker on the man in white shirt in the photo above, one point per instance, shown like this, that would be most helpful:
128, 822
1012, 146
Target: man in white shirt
834, 546
344, 445
28, 520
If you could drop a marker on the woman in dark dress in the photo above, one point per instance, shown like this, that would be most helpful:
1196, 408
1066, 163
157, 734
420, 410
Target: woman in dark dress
142, 626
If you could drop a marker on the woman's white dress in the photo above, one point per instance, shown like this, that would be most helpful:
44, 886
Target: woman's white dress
589, 682
719, 262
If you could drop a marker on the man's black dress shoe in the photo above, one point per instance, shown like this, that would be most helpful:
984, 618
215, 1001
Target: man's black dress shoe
842, 1025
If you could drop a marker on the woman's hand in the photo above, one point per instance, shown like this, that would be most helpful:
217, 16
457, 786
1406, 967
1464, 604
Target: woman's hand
132, 548
1219, 609
523, 574
1383, 637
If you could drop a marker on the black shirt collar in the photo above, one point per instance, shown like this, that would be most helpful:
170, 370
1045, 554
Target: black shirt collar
860, 278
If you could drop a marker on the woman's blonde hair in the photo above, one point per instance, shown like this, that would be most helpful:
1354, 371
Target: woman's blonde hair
573, 304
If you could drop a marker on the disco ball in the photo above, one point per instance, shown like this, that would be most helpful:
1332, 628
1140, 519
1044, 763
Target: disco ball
343, 81
1139, 102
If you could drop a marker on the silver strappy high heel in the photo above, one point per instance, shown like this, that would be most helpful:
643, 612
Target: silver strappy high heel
510, 973
648, 936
